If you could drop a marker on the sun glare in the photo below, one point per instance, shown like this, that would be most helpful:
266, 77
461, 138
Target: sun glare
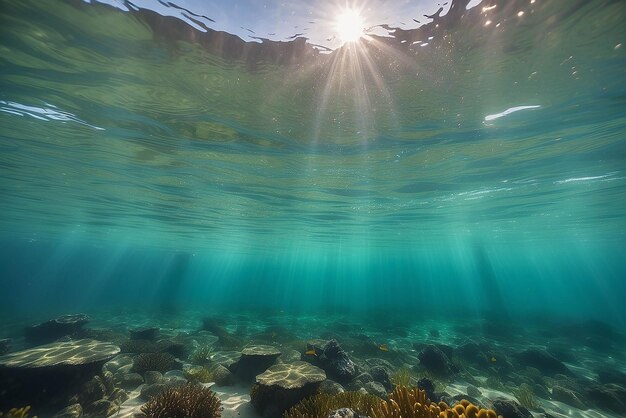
349, 25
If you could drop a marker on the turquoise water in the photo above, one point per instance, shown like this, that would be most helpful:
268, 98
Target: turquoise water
458, 180
148, 162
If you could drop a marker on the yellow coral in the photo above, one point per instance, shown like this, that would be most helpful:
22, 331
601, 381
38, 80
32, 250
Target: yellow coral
403, 402
17, 413
413, 403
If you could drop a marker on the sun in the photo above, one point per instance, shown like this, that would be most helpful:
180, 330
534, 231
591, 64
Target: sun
349, 25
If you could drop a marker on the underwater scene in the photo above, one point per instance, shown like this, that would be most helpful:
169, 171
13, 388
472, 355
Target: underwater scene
313, 209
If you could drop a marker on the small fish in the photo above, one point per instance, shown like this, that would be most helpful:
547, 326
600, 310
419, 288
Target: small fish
310, 352
383, 347
492, 359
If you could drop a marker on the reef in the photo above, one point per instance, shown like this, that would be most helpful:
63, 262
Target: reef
413, 403
403, 402
188, 401
160, 362
353, 371
319, 406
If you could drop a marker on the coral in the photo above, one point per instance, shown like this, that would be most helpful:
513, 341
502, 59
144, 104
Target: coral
202, 355
138, 346
403, 403
199, 374
404, 376
526, 396
160, 362
319, 406
17, 413
413, 403
186, 401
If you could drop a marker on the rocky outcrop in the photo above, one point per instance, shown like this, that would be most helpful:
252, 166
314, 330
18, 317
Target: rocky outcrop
255, 360
283, 385
335, 361
52, 330
55, 375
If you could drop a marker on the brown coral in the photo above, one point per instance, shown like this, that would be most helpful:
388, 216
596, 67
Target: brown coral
160, 362
319, 406
188, 401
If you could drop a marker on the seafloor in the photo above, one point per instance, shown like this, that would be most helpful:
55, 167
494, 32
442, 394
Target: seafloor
539, 366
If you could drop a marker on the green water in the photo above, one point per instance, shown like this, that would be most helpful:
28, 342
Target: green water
378, 173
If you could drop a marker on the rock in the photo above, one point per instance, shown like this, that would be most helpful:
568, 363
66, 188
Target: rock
568, 396
612, 376
381, 375
148, 333
436, 361
72, 411
222, 376
610, 397
427, 386
47, 375
118, 396
5, 343
49, 331
175, 348
228, 359
79, 354
331, 387
152, 376
562, 354
174, 374
102, 408
283, 385
343, 413
255, 360
205, 338
541, 391
289, 356
129, 381
93, 390
215, 326
362, 379
445, 349
510, 409
107, 379
376, 388
472, 353
379, 362
336, 362
291, 376
317, 346
473, 391
148, 391
139, 346
542, 360
117, 362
